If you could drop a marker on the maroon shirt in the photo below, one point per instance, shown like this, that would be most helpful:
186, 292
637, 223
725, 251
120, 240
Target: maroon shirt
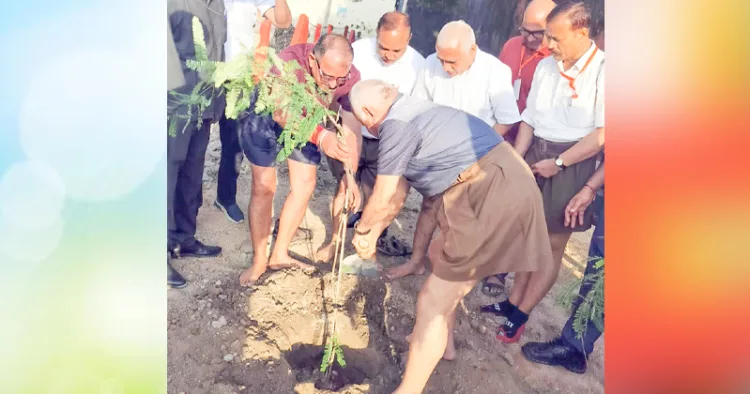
301, 52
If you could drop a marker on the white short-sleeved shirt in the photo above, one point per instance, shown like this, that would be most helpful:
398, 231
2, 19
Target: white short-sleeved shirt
242, 16
551, 110
402, 74
484, 90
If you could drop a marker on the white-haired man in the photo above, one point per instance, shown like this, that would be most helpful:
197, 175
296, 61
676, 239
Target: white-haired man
471, 181
462, 76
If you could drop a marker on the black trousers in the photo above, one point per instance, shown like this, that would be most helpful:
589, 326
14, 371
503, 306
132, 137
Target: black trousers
186, 155
229, 164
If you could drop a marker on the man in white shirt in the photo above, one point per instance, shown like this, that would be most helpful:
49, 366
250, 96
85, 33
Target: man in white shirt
462, 76
242, 17
386, 57
560, 136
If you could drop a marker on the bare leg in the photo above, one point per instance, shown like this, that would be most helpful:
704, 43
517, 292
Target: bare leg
302, 181
450, 349
437, 301
260, 211
326, 252
542, 281
426, 224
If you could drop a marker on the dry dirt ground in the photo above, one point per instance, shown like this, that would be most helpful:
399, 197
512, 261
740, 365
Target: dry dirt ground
268, 339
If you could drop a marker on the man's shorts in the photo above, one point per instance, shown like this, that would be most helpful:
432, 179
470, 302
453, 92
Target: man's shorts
368, 164
258, 136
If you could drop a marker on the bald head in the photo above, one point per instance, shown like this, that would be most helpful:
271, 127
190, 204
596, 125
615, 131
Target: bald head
537, 11
331, 60
456, 35
456, 47
534, 23
394, 33
371, 100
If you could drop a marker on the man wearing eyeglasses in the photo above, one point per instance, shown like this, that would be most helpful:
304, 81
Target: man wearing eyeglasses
388, 57
522, 54
329, 63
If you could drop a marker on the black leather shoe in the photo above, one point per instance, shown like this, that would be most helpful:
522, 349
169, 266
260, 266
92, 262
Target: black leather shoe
555, 352
174, 279
198, 249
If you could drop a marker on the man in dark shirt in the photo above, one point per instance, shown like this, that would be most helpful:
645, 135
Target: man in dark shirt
329, 62
476, 189
186, 152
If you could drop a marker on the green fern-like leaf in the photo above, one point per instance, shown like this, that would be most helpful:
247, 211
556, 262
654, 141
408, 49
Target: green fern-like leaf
199, 40
591, 308
340, 357
327, 352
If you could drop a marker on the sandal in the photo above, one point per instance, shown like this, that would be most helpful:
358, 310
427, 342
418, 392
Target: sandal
494, 289
392, 246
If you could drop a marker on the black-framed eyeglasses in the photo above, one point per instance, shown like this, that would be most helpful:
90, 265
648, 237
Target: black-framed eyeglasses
536, 34
340, 81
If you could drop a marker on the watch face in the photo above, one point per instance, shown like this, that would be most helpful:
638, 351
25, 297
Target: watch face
559, 162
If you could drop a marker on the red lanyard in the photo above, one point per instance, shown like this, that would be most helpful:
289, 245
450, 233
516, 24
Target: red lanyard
571, 80
521, 63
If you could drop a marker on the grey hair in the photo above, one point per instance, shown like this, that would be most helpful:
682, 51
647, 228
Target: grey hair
456, 32
368, 92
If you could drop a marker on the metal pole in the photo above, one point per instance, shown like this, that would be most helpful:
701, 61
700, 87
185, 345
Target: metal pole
401, 5
328, 12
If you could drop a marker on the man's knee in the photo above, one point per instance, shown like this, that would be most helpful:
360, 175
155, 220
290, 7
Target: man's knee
264, 185
440, 295
303, 183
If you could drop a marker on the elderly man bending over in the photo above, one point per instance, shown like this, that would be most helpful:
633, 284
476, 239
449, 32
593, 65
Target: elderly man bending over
471, 181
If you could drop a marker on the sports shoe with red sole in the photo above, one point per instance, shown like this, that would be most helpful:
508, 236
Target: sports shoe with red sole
506, 339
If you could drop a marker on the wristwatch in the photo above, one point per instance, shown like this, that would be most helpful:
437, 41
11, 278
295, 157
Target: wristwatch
559, 162
362, 233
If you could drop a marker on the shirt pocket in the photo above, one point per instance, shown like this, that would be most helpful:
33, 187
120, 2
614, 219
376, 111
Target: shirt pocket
581, 112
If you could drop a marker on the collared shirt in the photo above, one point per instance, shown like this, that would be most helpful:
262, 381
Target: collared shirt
301, 54
402, 73
484, 90
551, 110
431, 144
511, 56
242, 16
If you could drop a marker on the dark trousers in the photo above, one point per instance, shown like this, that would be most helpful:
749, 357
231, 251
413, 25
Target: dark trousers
596, 251
186, 154
229, 164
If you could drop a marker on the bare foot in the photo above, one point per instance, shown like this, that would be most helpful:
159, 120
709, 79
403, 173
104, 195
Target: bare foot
283, 262
405, 269
251, 275
450, 350
326, 252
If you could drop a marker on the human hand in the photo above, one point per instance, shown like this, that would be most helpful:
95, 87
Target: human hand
546, 168
355, 198
365, 245
333, 148
577, 207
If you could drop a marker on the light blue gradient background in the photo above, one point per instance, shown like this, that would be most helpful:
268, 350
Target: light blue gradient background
83, 89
